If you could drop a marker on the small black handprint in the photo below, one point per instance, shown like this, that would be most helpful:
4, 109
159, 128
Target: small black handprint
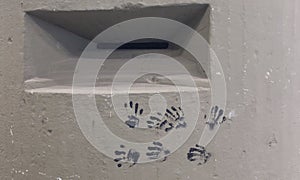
133, 120
173, 118
198, 154
131, 156
216, 113
156, 151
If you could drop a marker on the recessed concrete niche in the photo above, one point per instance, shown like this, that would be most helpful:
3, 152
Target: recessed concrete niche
54, 40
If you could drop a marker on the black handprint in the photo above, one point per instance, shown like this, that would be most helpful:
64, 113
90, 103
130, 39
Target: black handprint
199, 154
173, 118
155, 121
133, 120
216, 113
175, 113
131, 156
156, 151
176, 116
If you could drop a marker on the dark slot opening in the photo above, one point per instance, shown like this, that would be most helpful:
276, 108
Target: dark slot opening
145, 45
139, 44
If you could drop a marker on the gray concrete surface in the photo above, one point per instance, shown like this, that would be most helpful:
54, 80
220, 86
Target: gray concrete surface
257, 43
54, 40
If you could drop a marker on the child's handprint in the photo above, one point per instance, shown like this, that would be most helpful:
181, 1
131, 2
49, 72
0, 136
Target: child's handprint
173, 118
216, 113
133, 119
198, 154
156, 151
155, 121
131, 156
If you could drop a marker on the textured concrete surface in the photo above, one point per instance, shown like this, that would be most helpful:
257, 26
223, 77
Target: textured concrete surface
54, 41
257, 43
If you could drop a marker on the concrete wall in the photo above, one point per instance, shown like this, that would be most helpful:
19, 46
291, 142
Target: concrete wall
257, 43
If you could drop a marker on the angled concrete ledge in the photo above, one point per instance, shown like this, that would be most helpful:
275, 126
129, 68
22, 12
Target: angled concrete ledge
54, 40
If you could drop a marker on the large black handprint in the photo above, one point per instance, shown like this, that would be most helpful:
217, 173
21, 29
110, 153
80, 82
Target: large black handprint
199, 154
173, 118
